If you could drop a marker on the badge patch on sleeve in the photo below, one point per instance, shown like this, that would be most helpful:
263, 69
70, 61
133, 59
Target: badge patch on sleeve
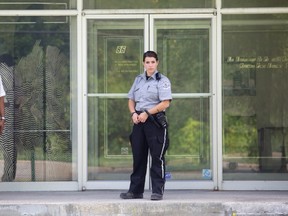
166, 85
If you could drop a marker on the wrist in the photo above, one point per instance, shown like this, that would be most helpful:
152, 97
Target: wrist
132, 113
147, 112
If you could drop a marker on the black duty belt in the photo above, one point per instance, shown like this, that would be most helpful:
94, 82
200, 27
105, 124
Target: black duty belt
159, 119
139, 112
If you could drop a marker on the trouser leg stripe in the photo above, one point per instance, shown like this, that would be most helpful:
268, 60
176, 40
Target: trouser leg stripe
161, 155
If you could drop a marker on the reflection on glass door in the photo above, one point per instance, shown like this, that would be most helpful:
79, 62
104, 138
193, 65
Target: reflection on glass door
114, 48
255, 101
183, 46
35, 69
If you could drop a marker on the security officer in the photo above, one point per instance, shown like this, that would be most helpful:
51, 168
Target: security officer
149, 97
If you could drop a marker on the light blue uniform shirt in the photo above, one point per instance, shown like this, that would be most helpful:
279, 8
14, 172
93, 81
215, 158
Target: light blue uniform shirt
2, 91
149, 93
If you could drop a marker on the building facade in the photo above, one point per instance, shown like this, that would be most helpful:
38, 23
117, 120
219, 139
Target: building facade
67, 66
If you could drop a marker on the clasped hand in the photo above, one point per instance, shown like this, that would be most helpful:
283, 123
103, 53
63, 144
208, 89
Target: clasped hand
142, 117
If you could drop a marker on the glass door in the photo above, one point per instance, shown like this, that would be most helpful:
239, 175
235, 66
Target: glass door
115, 46
185, 48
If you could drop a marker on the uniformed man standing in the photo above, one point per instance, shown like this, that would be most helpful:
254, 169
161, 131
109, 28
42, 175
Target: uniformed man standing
149, 97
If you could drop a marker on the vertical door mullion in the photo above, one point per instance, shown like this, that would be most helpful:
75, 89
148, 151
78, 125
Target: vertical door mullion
82, 116
152, 35
214, 114
147, 39
218, 102
147, 32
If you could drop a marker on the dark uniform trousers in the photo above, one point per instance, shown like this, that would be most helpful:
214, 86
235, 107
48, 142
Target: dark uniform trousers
144, 137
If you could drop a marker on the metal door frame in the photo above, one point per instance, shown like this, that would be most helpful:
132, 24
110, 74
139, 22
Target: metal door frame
149, 44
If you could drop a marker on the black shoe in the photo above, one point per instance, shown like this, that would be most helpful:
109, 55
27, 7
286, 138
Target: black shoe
130, 195
156, 196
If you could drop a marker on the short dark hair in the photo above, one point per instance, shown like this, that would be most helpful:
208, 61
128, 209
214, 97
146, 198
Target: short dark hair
150, 54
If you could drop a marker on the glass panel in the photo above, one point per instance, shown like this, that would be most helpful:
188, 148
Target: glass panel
188, 156
37, 5
147, 4
35, 69
183, 48
255, 104
109, 151
114, 60
254, 3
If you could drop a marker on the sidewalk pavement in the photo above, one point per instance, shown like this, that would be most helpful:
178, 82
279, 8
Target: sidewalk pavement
175, 203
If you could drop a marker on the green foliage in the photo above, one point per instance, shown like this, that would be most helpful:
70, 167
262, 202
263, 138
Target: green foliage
240, 135
187, 138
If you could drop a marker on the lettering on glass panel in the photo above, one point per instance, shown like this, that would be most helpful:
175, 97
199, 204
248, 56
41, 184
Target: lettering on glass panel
122, 64
243, 78
121, 49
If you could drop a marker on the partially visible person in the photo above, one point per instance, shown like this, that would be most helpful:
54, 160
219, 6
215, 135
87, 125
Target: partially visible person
7, 144
2, 106
149, 97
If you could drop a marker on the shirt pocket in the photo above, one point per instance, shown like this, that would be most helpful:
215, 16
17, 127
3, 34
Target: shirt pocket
152, 93
137, 94
152, 89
